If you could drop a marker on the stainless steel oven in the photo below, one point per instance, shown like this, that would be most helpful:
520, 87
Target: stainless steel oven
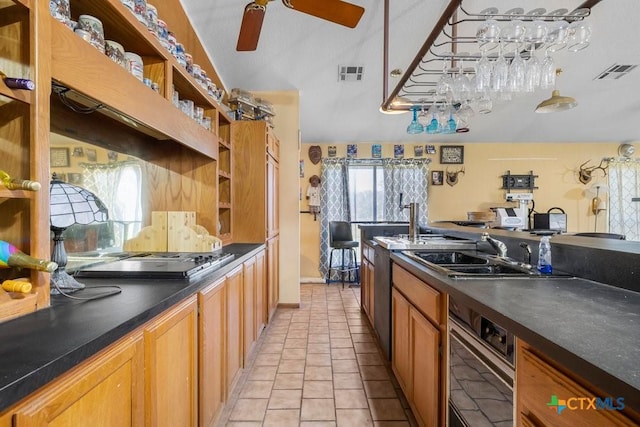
481, 371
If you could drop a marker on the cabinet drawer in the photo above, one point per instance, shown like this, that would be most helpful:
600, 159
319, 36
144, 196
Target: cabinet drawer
422, 296
538, 382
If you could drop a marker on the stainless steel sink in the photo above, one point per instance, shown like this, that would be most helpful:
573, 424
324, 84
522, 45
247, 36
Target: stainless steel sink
470, 265
437, 242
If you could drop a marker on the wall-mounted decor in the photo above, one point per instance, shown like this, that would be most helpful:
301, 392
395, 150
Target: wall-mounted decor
112, 156
452, 154
376, 151
91, 155
77, 152
332, 151
59, 157
315, 154
418, 150
302, 168
431, 149
452, 177
75, 178
352, 150
398, 151
437, 177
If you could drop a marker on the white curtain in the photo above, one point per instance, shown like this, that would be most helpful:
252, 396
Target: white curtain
624, 197
119, 186
411, 178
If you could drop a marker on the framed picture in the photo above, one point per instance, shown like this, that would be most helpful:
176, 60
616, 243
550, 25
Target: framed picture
352, 150
437, 177
376, 151
452, 154
59, 157
418, 151
74, 178
77, 152
112, 156
332, 151
431, 149
91, 154
398, 151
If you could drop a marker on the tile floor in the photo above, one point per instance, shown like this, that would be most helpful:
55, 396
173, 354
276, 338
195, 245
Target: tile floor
318, 365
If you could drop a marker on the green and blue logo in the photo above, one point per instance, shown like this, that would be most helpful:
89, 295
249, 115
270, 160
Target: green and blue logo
576, 403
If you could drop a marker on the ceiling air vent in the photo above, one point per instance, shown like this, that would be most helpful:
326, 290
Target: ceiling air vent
350, 73
615, 72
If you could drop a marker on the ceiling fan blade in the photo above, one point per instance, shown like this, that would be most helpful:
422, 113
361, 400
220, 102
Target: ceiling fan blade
250, 27
337, 11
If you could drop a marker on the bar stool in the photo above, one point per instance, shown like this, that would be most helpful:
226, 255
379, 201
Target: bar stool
341, 239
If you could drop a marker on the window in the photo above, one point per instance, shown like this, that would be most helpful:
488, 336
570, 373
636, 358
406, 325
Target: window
366, 192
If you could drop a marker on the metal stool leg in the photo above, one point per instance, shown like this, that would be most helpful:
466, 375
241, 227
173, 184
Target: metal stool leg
330, 266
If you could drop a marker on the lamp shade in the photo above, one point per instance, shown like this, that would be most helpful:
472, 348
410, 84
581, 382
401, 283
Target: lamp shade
556, 103
71, 204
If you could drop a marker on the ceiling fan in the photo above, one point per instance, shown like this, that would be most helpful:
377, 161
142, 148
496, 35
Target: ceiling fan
337, 11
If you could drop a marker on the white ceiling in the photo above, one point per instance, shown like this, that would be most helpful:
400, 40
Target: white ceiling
299, 52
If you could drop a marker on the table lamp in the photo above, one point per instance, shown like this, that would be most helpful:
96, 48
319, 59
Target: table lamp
70, 205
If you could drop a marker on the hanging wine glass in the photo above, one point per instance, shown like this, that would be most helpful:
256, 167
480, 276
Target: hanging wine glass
433, 126
532, 71
461, 87
423, 117
484, 69
547, 72
500, 72
557, 36
516, 72
415, 127
579, 35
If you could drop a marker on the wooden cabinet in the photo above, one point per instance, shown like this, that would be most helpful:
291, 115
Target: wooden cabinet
261, 292
171, 366
24, 132
107, 390
401, 345
367, 283
418, 331
212, 355
255, 213
538, 380
273, 274
234, 340
249, 304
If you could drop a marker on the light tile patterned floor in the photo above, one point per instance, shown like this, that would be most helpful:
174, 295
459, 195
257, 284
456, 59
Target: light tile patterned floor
318, 365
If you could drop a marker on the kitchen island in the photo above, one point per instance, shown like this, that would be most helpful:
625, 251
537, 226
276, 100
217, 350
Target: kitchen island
579, 324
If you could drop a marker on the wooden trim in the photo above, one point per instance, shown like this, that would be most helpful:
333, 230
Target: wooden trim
288, 305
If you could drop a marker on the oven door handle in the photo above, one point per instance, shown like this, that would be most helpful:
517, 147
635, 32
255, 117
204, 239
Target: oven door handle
483, 353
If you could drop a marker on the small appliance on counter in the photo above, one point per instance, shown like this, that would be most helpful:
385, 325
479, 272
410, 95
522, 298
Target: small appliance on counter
514, 218
556, 221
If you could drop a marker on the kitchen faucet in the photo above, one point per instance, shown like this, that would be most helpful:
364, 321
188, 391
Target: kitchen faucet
414, 209
499, 246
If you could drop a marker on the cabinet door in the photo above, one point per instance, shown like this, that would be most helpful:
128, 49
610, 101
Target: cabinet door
234, 327
211, 331
273, 249
108, 390
364, 286
401, 361
248, 297
171, 363
537, 383
261, 293
273, 177
371, 294
425, 366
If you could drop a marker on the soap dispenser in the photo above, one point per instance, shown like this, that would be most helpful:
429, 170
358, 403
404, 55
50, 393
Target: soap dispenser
544, 255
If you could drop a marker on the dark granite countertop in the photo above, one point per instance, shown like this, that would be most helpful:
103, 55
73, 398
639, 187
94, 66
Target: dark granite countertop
41, 346
591, 328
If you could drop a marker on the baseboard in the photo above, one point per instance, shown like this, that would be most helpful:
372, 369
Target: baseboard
288, 305
307, 280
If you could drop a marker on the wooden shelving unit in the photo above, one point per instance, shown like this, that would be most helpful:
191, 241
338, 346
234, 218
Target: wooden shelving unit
188, 167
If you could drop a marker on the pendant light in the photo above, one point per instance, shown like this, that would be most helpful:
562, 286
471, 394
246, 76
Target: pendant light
557, 102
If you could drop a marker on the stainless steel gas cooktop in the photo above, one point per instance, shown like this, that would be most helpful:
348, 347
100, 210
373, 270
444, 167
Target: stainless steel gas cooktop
157, 265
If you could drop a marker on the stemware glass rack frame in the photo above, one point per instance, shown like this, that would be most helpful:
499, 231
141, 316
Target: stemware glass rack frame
449, 41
